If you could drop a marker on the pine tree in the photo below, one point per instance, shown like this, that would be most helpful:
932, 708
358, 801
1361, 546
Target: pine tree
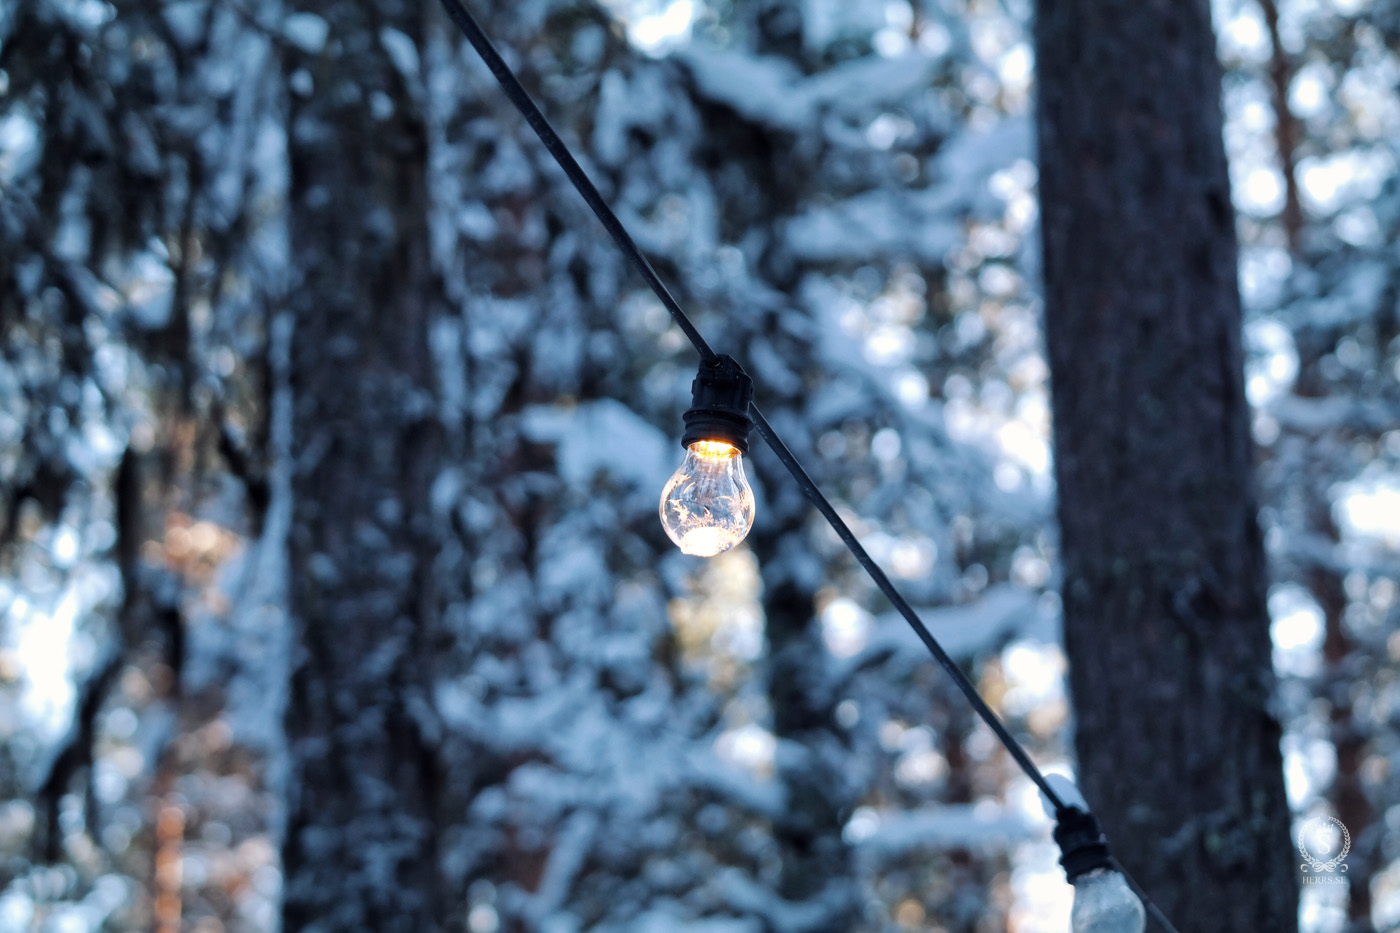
1166, 623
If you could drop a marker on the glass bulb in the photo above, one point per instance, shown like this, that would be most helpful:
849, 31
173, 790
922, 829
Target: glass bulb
708, 505
1103, 903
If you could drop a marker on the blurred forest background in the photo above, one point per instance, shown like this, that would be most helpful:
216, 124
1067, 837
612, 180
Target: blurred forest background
200, 200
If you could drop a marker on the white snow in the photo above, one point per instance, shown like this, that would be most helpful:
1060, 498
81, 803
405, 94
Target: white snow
306, 31
403, 52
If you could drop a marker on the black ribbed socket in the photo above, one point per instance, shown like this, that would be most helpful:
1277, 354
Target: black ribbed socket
1083, 847
719, 405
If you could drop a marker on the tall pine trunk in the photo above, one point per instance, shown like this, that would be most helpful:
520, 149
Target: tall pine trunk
818, 868
360, 850
1165, 583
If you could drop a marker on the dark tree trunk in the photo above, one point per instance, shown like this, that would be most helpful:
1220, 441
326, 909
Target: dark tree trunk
1164, 593
1349, 733
361, 846
818, 867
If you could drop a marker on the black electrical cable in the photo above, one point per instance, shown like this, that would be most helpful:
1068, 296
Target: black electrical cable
518, 96
969, 690
823, 505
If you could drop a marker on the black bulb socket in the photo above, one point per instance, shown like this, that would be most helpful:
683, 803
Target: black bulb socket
1083, 847
719, 405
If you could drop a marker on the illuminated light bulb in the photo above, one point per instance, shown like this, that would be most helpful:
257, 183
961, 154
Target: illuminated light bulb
708, 506
1103, 903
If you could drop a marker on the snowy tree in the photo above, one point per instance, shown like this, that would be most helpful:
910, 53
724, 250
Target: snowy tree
367, 793
130, 223
531, 583
1322, 325
334, 428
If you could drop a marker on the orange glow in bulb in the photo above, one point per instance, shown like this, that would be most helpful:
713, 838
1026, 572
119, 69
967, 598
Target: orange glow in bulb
708, 505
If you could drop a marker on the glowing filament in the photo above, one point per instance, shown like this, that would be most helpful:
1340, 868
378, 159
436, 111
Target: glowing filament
707, 506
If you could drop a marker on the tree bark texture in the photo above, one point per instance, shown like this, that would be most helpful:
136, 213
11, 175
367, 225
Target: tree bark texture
361, 844
1166, 623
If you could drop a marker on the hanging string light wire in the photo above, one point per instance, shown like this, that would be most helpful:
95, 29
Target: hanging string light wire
518, 96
